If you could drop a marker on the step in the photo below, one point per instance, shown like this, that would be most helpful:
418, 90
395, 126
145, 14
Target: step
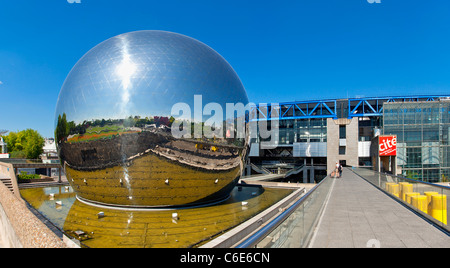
8, 183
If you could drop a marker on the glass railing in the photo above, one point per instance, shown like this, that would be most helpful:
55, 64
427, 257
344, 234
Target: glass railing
428, 199
294, 227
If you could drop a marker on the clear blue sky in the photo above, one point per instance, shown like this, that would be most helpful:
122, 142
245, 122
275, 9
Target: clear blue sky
282, 50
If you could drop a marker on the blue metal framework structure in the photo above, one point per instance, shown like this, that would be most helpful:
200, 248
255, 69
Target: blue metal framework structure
374, 106
357, 107
294, 110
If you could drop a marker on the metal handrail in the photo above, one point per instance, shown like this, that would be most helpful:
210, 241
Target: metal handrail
273, 224
377, 183
408, 179
417, 181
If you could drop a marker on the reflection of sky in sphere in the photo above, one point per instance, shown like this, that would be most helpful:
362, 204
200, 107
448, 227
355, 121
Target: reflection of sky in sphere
145, 73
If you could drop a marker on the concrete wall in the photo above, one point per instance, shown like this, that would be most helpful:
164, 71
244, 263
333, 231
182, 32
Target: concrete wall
351, 150
19, 227
8, 236
7, 170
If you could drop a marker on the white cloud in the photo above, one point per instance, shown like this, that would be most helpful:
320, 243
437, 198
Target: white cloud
1, 83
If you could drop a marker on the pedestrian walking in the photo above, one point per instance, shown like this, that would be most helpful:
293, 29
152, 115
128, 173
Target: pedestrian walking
336, 171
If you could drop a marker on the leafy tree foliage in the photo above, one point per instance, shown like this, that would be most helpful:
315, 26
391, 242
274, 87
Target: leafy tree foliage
24, 144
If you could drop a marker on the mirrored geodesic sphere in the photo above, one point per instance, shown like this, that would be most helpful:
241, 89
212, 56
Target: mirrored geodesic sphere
119, 108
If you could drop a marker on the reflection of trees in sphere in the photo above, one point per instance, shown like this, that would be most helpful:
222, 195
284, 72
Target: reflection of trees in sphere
113, 122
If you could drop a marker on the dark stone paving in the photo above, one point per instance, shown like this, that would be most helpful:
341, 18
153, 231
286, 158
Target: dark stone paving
357, 213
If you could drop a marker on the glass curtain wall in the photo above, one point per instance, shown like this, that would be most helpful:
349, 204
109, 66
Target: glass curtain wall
422, 130
303, 130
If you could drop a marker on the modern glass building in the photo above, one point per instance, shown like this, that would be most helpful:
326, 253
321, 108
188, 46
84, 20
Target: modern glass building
314, 135
423, 141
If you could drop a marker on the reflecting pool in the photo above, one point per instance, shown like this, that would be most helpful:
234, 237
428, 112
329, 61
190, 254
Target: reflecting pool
159, 228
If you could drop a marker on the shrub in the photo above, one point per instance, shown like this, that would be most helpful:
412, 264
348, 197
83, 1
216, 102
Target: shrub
25, 176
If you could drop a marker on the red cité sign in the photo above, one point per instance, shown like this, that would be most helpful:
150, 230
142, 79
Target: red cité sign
387, 145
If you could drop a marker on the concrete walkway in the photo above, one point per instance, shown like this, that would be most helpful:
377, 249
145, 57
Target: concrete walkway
358, 214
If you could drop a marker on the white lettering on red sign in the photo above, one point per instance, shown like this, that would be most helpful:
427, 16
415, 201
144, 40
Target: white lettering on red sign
388, 145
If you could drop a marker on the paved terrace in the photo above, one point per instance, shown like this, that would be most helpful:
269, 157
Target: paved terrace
357, 212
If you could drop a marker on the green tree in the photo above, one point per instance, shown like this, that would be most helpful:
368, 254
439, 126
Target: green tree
71, 127
10, 139
62, 128
129, 122
25, 144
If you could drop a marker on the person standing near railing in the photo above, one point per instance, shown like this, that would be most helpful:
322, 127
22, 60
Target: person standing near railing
336, 171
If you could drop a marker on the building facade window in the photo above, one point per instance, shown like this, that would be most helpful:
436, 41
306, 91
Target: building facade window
303, 130
423, 143
342, 132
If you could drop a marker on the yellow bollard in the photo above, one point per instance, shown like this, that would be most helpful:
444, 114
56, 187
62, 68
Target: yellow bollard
409, 196
395, 189
388, 185
439, 207
428, 195
420, 202
405, 188
198, 146
401, 188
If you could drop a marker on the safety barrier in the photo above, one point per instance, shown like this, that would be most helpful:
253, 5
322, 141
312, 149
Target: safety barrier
429, 200
420, 202
294, 227
439, 207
